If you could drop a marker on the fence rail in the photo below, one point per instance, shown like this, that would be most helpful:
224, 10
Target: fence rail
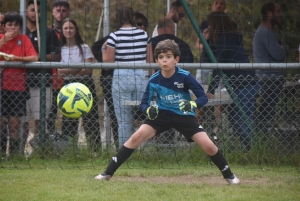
95, 137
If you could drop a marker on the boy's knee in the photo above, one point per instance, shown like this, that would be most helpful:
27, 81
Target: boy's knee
210, 149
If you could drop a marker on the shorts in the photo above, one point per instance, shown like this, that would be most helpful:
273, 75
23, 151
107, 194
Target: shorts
33, 104
13, 103
186, 125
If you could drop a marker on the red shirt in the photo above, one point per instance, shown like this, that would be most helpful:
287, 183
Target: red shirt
15, 78
57, 82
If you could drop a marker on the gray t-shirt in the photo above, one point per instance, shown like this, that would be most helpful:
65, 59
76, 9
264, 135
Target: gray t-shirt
267, 49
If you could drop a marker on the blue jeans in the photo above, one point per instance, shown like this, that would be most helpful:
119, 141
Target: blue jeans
246, 99
128, 85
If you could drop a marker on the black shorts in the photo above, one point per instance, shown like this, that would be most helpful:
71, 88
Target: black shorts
13, 103
186, 125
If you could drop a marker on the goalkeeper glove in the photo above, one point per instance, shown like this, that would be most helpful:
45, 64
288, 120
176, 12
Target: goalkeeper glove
152, 112
187, 106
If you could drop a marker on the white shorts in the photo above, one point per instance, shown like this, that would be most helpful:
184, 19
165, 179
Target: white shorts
33, 104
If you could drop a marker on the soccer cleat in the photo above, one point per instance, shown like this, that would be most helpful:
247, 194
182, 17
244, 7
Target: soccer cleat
233, 181
103, 176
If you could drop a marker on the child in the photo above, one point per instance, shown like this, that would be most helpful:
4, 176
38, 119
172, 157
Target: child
14, 92
174, 109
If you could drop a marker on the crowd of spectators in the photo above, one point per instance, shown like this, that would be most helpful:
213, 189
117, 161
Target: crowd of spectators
130, 43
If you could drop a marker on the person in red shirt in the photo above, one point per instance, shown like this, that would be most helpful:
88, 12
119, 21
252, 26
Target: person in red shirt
14, 94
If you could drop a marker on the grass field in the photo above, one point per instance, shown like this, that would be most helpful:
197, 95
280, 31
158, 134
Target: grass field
187, 183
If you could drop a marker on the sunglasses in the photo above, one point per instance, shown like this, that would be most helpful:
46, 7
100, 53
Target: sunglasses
141, 24
181, 15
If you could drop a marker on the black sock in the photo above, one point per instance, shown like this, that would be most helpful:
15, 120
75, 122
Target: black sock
219, 160
123, 154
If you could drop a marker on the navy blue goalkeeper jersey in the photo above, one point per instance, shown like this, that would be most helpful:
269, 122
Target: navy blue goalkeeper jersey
169, 92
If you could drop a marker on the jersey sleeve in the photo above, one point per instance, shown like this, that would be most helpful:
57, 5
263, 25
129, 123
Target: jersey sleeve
196, 88
111, 41
87, 52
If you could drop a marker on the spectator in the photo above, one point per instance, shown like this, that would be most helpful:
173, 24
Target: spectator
202, 75
176, 13
60, 11
1, 23
75, 50
34, 74
127, 45
106, 83
141, 21
14, 91
227, 45
166, 30
268, 48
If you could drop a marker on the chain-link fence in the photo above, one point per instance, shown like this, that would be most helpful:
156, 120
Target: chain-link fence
260, 124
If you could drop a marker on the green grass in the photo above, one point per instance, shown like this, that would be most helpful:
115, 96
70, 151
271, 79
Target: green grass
185, 183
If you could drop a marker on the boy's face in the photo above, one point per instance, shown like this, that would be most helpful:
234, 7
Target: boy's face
13, 28
60, 13
167, 61
30, 13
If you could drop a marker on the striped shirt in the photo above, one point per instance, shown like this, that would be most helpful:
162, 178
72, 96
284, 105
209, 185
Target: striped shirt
130, 44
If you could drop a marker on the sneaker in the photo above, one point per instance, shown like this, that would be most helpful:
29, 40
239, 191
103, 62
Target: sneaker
103, 176
233, 181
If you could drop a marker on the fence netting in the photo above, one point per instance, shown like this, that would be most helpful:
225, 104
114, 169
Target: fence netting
270, 136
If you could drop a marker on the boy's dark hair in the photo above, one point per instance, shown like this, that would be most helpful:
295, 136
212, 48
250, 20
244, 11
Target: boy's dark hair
176, 4
139, 15
32, 2
124, 15
166, 45
13, 17
265, 9
64, 3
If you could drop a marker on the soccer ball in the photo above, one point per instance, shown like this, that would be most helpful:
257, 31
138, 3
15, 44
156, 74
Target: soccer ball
74, 100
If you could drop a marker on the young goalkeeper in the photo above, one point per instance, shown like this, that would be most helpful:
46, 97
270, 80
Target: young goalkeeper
173, 109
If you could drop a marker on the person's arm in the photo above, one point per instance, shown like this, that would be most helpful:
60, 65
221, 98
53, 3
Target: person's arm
31, 58
86, 71
195, 86
276, 50
108, 54
5, 37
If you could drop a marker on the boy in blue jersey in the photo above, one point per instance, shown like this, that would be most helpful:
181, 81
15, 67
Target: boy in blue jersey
174, 109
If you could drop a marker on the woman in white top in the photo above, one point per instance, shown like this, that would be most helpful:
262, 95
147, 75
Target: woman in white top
74, 51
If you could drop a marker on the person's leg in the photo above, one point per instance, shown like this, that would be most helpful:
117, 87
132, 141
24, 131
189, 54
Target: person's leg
91, 122
244, 128
270, 91
216, 156
14, 134
142, 134
53, 112
107, 92
121, 89
3, 136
